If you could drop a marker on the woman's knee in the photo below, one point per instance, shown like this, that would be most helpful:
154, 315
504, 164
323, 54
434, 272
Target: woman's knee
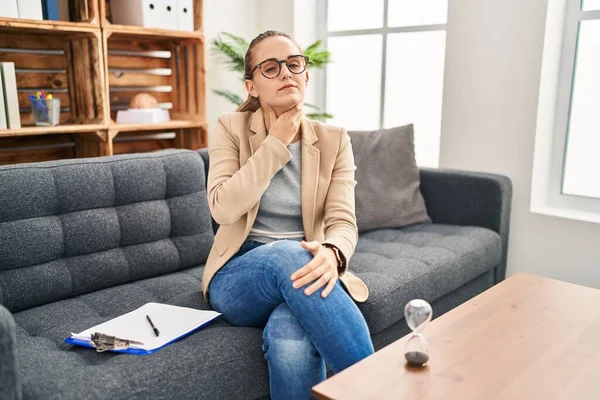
287, 255
285, 340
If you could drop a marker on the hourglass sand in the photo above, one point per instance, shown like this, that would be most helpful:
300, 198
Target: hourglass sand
417, 314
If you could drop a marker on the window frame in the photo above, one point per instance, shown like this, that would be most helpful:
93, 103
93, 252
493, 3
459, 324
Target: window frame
385, 30
554, 104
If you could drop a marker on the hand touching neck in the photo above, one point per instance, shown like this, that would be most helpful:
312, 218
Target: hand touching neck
285, 126
271, 114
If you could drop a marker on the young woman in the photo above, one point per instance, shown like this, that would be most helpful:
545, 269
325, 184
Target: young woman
281, 188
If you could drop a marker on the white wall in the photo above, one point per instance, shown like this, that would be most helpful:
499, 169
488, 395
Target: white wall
306, 30
493, 64
276, 15
234, 16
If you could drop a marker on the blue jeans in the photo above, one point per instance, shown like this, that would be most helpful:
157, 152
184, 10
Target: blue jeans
301, 333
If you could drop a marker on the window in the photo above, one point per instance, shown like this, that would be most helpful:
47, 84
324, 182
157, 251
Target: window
581, 171
566, 175
388, 67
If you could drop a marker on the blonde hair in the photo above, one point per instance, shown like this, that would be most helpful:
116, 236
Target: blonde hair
253, 103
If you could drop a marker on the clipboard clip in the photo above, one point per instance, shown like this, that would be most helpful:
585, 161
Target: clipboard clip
103, 342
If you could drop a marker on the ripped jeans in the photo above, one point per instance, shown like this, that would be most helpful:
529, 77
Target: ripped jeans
301, 333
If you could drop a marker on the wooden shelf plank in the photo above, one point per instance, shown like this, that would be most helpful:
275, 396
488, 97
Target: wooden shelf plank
46, 26
131, 31
173, 124
45, 130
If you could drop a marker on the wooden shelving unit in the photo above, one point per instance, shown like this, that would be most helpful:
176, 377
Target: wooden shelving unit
95, 68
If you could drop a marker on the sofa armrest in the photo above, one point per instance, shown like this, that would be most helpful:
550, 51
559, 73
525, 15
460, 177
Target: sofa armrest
10, 385
470, 198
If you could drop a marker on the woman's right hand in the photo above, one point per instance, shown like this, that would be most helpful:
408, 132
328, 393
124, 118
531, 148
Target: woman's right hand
286, 126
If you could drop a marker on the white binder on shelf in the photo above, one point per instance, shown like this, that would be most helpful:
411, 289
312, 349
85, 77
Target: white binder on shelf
11, 99
185, 15
169, 14
30, 9
9, 9
3, 124
146, 13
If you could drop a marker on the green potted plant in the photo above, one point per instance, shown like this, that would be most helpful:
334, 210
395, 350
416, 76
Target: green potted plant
231, 50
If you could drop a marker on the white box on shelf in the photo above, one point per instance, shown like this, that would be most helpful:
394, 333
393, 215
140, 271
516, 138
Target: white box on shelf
169, 14
185, 15
11, 97
3, 122
143, 116
30, 9
146, 13
9, 9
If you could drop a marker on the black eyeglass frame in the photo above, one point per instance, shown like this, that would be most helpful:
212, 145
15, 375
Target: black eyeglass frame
279, 62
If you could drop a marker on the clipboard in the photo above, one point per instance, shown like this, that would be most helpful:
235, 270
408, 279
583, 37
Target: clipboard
173, 322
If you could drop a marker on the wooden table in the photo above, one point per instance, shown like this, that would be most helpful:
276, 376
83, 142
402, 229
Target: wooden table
526, 338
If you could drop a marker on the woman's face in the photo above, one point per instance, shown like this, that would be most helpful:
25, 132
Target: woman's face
286, 89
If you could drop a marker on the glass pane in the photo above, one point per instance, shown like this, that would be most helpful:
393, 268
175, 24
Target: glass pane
414, 87
354, 81
417, 12
589, 5
345, 15
582, 164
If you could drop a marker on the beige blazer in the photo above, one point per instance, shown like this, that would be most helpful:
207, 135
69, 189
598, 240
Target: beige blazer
244, 159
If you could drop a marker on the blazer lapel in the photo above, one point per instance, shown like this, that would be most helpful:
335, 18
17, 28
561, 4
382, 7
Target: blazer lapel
257, 125
310, 178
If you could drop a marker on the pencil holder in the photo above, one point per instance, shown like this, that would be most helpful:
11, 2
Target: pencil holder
45, 112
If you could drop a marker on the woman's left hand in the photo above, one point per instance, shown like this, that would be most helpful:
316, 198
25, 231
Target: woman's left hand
322, 270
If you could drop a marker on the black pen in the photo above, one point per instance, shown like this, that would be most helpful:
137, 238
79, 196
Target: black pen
156, 332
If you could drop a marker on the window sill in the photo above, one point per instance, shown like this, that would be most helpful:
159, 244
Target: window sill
569, 213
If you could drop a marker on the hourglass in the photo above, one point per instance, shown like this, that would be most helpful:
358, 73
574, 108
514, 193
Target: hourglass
417, 314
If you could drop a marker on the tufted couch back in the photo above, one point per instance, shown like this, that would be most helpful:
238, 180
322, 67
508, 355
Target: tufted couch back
70, 227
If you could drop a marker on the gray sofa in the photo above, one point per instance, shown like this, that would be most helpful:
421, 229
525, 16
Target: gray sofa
85, 240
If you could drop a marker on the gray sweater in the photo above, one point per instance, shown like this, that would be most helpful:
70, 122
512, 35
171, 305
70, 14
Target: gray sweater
280, 211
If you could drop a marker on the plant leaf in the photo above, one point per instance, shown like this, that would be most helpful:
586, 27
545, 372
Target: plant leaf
313, 47
232, 97
314, 107
238, 40
229, 54
317, 58
319, 116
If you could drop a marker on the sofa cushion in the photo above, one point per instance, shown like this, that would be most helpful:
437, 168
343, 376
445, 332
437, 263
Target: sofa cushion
423, 261
218, 361
70, 227
387, 189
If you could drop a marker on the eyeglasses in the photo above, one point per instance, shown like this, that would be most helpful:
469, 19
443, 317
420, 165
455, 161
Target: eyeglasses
271, 67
